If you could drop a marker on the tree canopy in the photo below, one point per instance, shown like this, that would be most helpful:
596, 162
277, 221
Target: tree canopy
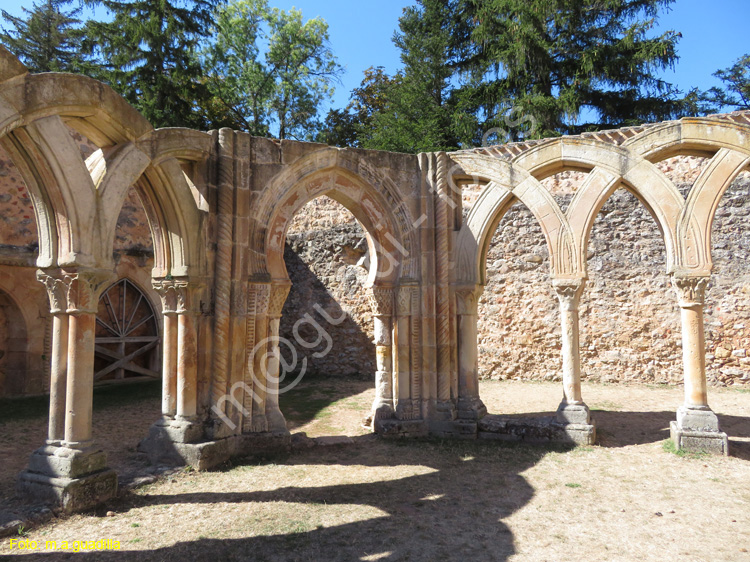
47, 39
269, 67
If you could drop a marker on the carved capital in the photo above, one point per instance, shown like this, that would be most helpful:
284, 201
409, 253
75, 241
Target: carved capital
569, 292
84, 287
404, 300
57, 286
167, 293
690, 290
187, 295
467, 299
258, 299
381, 300
277, 297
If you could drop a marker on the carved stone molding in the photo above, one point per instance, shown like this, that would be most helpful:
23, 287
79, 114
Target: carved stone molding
691, 291
381, 300
187, 296
258, 300
75, 291
569, 292
467, 299
277, 298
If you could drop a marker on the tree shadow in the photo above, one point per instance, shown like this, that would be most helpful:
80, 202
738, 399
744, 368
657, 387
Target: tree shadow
455, 507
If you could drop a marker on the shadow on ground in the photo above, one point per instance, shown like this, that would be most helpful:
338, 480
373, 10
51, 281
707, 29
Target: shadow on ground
453, 511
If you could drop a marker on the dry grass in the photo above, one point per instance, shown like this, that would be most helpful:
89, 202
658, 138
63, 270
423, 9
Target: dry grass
625, 499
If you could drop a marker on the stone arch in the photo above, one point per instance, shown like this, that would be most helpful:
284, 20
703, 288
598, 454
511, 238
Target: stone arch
725, 142
375, 204
506, 184
609, 167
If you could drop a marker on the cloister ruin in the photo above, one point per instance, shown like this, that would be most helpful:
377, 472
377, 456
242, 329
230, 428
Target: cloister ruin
219, 204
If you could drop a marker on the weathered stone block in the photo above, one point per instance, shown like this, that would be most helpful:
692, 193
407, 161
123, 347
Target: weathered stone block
714, 442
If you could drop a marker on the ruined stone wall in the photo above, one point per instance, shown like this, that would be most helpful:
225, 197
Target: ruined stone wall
630, 328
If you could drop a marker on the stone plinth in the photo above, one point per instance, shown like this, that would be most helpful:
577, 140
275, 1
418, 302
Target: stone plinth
697, 430
74, 479
535, 430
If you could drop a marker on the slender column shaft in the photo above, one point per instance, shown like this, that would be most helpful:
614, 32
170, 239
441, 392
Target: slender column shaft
80, 379
58, 377
468, 356
470, 405
187, 366
169, 365
272, 379
694, 356
569, 295
691, 292
402, 358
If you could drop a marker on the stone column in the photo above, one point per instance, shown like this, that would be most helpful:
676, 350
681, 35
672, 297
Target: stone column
168, 294
403, 376
381, 300
470, 405
187, 352
57, 291
696, 427
70, 471
83, 299
572, 409
276, 421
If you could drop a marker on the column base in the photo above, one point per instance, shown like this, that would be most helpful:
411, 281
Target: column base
74, 479
471, 409
577, 414
381, 410
445, 410
535, 430
697, 430
276, 421
408, 409
712, 442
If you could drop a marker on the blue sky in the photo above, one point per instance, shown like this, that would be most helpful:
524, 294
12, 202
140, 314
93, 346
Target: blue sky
714, 36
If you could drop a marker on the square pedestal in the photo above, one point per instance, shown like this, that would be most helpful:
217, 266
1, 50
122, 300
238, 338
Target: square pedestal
714, 442
74, 479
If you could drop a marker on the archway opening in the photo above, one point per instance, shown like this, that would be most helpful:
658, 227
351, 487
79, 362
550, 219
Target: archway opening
327, 322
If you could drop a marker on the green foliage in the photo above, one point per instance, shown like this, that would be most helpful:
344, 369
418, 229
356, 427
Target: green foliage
267, 67
477, 71
149, 56
736, 92
47, 39
552, 59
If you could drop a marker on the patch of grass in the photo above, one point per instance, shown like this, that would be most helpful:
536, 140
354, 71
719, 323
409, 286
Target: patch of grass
669, 447
573, 485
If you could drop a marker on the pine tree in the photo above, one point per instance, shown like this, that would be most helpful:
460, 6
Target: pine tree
420, 114
552, 61
149, 52
47, 39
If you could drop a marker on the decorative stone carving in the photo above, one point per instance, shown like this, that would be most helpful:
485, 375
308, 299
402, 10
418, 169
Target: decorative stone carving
690, 290
167, 293
277, 298
57, 290
84, 288
381, 300
569, 292
404, 300
259, 295
467, 300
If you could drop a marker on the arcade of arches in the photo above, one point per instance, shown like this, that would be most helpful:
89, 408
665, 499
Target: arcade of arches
219, 205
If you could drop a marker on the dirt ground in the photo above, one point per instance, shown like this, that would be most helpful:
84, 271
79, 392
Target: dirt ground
627, 498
